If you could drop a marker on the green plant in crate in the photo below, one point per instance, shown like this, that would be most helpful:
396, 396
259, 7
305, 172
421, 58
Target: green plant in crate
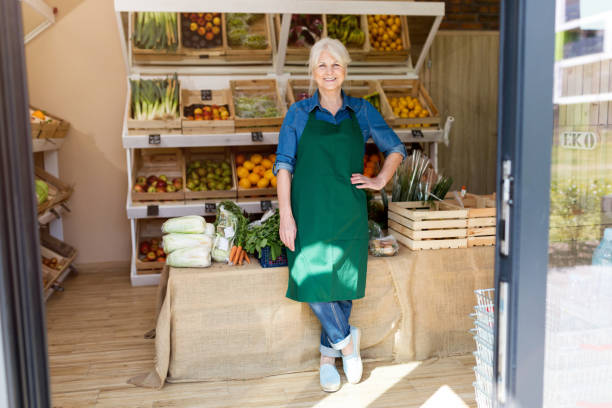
155, 98
155, 31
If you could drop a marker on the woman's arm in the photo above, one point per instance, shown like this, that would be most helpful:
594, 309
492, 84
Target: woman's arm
287, 230
392, 162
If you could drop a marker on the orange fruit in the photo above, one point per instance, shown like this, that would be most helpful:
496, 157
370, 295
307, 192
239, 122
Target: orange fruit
244, 183
370, 165
273, 181
256, 158
240, 159
242, 172
259, 169
254, 178
249, 165
272, 157
269, 174
267, 163
263, 183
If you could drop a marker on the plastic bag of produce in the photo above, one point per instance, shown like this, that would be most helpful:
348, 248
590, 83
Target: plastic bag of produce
227, 223
42, 191
196, 257
384, 246
221, 248
172, 242
190, 224
210, 231
375, 230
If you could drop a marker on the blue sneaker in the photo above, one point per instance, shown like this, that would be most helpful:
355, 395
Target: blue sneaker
329, 378
352, 365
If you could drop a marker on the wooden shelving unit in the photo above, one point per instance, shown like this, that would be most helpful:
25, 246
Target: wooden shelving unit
215, 73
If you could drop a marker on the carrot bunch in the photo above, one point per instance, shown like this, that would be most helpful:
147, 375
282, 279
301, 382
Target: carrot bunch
238, 256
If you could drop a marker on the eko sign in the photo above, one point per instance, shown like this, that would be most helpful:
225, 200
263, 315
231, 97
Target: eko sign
579, 140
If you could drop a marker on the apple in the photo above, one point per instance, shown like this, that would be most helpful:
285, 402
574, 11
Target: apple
151, 256
163, 177
161, 259
151, 180
161, 184
151, 189
141, 180
139, 188
160, 252
178, 183
161, 189
145, 247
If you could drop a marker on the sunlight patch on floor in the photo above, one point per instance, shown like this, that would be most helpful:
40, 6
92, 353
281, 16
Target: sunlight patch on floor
380, 380
444, 397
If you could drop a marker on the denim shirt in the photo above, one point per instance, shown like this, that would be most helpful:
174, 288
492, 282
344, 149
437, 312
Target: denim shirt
370, 122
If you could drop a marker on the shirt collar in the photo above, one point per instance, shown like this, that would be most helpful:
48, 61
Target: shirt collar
314, 101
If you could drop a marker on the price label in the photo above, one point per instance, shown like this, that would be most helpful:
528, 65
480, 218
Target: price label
154, 139
265, 205
210, 207
152, 210
223, 244
229, 232
206, 94
204, 56
417, 133
257, 136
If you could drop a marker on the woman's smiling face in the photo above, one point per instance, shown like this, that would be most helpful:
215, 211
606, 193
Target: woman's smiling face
328, 73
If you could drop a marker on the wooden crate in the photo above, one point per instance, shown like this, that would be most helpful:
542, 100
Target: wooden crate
394, 88
265, 151
146, 229
243, 53
58, 190
155, 126
65, 254
150, 52
216, 154
481, 217
258, 87
297, 87
395, 55
211, 52
356, 53
167, 161
418, 226
217, 97
293, 53
55, 128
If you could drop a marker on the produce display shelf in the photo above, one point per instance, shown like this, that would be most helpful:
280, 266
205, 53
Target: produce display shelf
52, 214
197, 207
46, 145
56, 284
247, 139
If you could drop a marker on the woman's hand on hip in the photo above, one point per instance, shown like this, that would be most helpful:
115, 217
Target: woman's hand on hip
288, 230
373, 183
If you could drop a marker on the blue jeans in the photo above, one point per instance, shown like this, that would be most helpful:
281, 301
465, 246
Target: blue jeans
335, 328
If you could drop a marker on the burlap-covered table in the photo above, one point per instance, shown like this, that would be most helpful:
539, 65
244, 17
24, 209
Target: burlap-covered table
235, 323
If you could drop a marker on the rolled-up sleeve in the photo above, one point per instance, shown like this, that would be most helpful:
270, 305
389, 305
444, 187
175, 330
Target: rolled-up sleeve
287, 143
385, 138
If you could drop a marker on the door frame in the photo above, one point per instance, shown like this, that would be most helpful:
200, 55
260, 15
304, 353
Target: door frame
525, 129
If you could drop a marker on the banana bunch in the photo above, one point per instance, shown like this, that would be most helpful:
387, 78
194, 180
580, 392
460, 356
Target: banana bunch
346, 29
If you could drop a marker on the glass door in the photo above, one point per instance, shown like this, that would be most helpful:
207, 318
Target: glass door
554, 262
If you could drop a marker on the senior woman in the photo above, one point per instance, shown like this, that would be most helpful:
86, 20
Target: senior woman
322, 202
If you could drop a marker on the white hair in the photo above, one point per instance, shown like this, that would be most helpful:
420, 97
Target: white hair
335, 48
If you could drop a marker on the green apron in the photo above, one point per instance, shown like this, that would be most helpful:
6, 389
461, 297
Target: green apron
331, 247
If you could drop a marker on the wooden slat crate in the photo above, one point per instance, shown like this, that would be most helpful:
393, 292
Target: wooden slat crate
65, 254
258, 87
267, 192
217, 155
155, 162
394, 55
297, 89
395, 88
294, 53
146, 230
217, 97
154, 126
418, 226
55, 128
481, 221
244, 53
357, 53
153, 52
209, 52
58, 190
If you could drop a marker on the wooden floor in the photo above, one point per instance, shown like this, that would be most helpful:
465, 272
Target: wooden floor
95, 336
